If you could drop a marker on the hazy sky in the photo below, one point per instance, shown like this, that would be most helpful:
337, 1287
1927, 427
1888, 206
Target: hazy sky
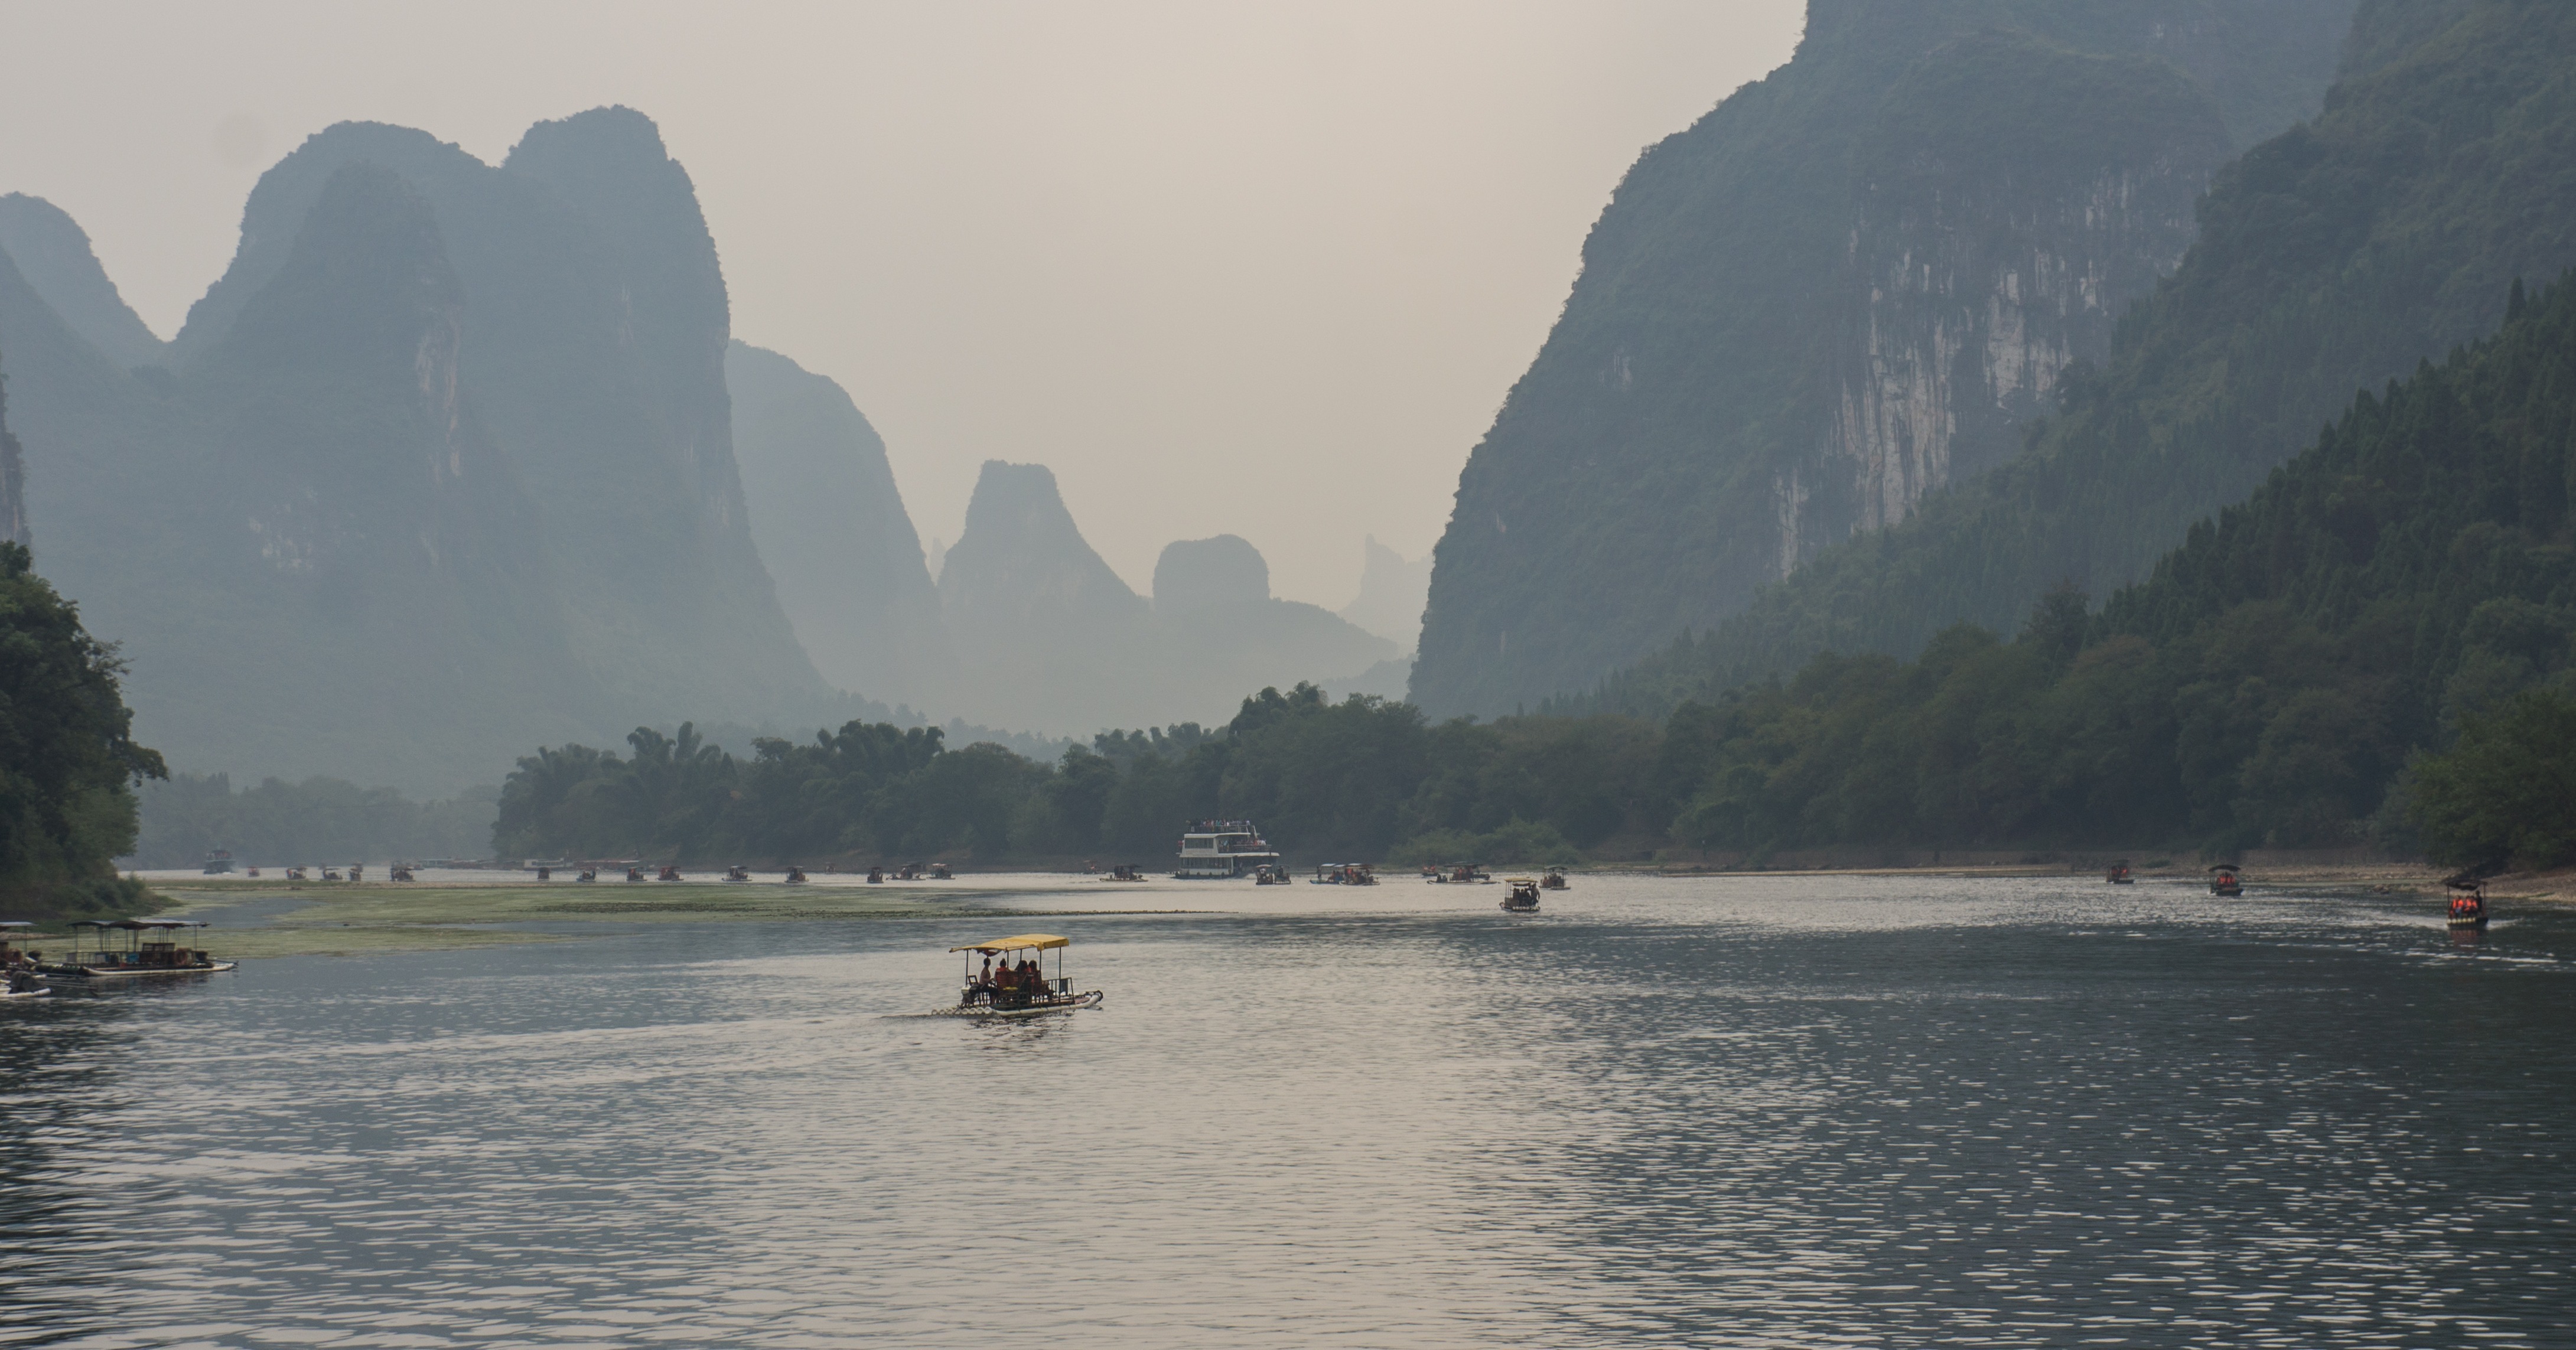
1259, 269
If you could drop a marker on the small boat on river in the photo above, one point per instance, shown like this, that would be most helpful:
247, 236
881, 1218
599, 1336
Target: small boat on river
2223, 881
1554, 880
1344, 874
2118, 874
219, 863
1522, 895
2468, 903
1020, 987
18, 977
1461, 874
151, 947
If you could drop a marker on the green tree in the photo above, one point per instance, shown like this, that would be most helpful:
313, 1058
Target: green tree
68, 761
2507, 791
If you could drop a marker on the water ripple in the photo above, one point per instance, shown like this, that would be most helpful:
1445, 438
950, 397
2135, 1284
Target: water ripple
1792, 1112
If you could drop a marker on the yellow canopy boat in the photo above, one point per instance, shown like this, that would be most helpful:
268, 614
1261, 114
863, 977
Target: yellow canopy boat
1019, 988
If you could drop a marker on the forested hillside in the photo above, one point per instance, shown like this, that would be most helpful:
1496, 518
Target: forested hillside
2268, 683
2405, 586
2331, 258
1838, 291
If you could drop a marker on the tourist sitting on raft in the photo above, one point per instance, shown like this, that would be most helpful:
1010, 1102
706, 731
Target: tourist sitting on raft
1010, 980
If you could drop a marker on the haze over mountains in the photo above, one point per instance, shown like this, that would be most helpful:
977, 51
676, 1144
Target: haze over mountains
457, 459
1971, 299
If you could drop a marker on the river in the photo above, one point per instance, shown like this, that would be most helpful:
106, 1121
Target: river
1827, 1111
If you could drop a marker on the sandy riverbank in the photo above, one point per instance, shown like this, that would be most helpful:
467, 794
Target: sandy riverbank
257, 919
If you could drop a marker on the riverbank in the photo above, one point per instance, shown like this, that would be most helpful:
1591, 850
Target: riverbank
260, 919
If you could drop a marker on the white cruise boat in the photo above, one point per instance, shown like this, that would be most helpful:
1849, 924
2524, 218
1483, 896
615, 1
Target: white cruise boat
1223, 848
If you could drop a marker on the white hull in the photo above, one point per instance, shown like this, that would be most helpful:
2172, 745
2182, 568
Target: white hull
138, 973
25, 993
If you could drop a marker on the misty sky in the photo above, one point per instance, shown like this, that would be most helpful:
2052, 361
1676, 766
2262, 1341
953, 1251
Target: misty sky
1265, 270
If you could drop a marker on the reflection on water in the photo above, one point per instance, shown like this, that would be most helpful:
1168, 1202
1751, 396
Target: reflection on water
1796, 1112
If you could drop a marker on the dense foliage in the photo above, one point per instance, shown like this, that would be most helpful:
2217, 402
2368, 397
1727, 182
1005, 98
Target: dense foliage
2268, 684
318, 820
2505, 792
2331, 258
1363, 778
67, 756
2407, 577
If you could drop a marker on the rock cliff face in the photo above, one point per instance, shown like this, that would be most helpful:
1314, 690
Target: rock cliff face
313, 553
594, 342
441, 469
833, 532
1984, 264
2334, 257
1839, 291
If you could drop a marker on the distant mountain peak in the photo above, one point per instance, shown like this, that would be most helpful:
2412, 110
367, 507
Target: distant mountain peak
53, 253
1393, 591
1200, 575
1022, 555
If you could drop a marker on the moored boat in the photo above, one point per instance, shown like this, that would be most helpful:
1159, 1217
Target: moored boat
1522, 895
152, 947
1021, 988
18, 977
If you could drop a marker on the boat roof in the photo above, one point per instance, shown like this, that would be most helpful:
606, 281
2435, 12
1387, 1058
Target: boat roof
1020, 943
1515, 881
15, 923
2226, 867
137, 923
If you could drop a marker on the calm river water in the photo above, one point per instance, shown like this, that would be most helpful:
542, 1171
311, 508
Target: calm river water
1796, 1111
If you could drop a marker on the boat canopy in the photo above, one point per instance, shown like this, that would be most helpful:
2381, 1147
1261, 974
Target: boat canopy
15, 923
1024, 942
137, 923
